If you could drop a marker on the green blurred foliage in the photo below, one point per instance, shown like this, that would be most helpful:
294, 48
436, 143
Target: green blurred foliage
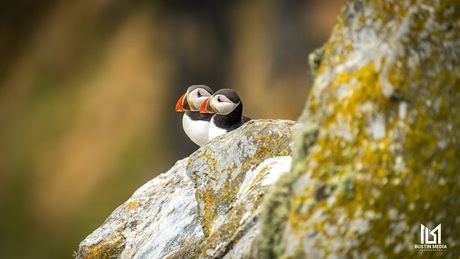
88, 90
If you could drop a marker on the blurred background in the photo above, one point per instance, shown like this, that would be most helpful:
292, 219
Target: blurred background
88, 91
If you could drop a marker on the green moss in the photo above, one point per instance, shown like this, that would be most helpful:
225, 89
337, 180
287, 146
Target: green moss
275, 206
314, 60
274, 212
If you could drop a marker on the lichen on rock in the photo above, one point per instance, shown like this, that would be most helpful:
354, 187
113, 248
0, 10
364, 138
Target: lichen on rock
377, 154
386, 104
154, 223
231, 175
240, 221
219, 168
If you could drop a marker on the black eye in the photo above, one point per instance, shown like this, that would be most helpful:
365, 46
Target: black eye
199, 94
219, 100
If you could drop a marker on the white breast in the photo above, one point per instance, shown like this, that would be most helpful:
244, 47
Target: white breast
214, 131
197, 131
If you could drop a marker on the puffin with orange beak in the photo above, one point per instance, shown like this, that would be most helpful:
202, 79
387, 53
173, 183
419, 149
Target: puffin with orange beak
195, 124
228, 109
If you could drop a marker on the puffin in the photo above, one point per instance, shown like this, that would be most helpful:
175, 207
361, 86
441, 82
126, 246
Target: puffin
194, 123
228, 110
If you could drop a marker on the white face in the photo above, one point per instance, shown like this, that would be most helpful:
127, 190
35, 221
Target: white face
196, 98
222, 105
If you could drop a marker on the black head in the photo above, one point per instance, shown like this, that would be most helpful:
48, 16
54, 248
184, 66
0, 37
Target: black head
230, 94
205, 87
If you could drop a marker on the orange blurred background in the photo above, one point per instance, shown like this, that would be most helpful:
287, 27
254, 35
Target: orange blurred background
88, 90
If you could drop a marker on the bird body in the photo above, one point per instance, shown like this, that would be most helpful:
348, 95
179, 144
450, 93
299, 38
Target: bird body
215, 131
229, 112
196, 126
194, 123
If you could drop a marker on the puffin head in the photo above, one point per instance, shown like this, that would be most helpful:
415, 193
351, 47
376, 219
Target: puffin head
193, 98
221, 102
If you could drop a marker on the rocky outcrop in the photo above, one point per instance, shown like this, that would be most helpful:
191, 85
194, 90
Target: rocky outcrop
377, 153
219, 169
205, 206
153, 223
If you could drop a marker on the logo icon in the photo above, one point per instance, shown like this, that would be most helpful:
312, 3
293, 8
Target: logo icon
424, 239
430, 240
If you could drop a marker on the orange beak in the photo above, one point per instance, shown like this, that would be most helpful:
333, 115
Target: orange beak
206, 107
182, 104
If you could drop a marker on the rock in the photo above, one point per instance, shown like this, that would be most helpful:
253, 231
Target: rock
377, 153
314, 61
234, 235
169, 215
155, 222
273, 214
220, 167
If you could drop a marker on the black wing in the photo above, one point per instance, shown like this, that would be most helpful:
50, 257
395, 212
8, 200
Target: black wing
245, 119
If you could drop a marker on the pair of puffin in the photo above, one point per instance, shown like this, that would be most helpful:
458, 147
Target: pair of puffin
208, 114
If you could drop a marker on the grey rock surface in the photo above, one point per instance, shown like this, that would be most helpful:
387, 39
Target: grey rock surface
219, 168
234, 234
163, 218
155, 222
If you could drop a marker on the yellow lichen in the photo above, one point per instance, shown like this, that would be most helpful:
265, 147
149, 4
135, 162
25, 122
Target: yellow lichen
387, 152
